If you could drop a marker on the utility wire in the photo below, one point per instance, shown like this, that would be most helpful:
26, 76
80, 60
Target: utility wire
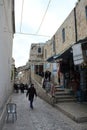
44, 16
31, 34
21, 33
21, 14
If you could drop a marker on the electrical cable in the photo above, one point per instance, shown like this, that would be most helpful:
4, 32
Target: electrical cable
44, 16
21, 14
22, 18
31, 34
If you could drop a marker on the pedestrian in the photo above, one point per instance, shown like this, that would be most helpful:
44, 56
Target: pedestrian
46, 74
22, 87
16, 87
52, 89
47, 86
30, 94
49, 75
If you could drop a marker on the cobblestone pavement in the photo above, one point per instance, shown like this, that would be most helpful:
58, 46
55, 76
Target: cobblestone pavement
42, 117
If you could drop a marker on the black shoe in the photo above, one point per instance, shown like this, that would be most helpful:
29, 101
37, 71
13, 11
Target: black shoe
31, 107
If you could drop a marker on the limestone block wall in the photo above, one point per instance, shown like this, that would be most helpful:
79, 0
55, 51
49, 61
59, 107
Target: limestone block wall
42, 93
81, 19
34, 55
69, 26
5, 55
6, 40
47, 50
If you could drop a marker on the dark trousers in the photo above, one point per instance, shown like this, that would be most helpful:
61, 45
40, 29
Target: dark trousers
31, 103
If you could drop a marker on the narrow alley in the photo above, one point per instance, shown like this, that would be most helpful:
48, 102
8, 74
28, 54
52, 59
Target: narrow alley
42, 117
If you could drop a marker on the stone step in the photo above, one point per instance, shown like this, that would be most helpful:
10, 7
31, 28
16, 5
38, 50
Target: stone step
65, 100
62, 93
59, 89
64, 96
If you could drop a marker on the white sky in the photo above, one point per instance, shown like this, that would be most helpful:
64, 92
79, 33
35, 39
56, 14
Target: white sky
32, 14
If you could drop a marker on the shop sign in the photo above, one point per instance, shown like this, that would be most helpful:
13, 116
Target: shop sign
32, 67
77, 54
54, 68
47, 66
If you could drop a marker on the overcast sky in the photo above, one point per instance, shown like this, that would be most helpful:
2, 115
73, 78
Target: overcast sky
33, 17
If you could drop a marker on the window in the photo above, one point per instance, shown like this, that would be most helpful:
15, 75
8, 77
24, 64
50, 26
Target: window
63, 34
39, 50
45, 53
53, 43
86, 12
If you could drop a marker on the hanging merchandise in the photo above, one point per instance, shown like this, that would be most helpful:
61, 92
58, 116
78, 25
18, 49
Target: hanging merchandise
77, 55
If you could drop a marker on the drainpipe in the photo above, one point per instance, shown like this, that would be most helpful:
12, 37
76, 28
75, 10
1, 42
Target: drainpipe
75, 24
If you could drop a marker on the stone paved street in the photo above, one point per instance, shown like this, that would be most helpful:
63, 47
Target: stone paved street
42, 117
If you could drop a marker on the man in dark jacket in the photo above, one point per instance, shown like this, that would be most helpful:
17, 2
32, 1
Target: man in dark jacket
30, 93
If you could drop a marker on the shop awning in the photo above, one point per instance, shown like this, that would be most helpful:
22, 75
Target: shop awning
64, 54
51, 59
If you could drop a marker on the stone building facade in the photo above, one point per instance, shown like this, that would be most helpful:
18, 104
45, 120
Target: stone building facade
23, 74
71, 46
36, 59
65, 35
67, 49
7, 30
71, 31
81, 18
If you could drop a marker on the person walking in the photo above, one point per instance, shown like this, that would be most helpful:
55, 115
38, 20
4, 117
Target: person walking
30, 94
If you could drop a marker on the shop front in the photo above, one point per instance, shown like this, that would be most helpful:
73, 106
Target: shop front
65, 66
80, 63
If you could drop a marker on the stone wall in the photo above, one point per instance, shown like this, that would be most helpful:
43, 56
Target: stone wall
69, 26
42, 93
6, 41
81, 19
